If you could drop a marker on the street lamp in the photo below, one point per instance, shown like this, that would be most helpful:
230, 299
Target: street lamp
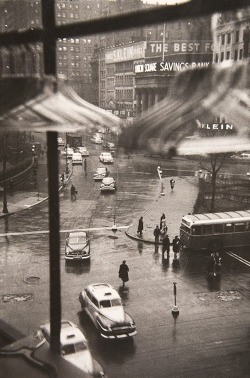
5, 208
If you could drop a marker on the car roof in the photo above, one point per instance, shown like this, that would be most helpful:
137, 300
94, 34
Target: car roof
101, 169
107, 179
105, 153
103, 291
77, 234
70, 333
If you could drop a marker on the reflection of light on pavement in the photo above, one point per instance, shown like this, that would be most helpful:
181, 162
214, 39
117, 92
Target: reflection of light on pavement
246, 262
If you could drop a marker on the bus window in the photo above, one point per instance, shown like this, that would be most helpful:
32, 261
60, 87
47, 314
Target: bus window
247, 226
228, 228
207, 229
196, 230
239, 227
218, 228
185, 229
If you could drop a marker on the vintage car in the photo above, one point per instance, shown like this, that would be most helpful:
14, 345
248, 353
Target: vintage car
76, 158
108, 185
74, 348
103, 305
109, 146
100, 173
83, 151
77, 246
106, 157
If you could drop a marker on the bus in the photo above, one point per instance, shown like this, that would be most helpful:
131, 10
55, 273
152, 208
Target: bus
215, 231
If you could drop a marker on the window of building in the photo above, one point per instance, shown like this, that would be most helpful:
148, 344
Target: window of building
237, 36
223, 39
229, 38
241, 54
236, 55
222, 56
216, 58
77, 40
228, 55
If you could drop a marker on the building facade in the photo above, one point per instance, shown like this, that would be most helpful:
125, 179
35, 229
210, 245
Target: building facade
231, 36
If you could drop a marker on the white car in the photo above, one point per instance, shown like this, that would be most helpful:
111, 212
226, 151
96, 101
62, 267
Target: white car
74, 348
103, 305
83, 151
106, 157
69, 152
100, 173
77, 246
76, 158
108, 185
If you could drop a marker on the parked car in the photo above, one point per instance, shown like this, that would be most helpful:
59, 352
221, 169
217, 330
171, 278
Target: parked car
108, 185
106, 157
74, 348
77, 246
76, 158
103, 305
83, 151
100, 173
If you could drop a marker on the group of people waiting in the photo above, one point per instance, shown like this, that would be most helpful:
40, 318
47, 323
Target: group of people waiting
160, 233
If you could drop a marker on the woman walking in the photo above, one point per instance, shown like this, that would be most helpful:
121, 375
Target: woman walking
123, 272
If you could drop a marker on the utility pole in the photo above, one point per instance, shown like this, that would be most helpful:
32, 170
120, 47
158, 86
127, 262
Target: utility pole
5, 207
49, 47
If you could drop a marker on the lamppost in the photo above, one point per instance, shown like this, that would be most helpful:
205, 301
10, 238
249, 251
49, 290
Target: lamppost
5, 208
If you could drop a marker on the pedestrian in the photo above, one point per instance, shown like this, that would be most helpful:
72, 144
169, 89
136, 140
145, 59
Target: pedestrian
211, 263
162, 221
157, 233
123, 272
176, 244
140, 226
172, 182
85, 164
165, 245
73, 192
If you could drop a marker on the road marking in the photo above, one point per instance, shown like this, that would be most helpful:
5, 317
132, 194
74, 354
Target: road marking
243, 261
63, 231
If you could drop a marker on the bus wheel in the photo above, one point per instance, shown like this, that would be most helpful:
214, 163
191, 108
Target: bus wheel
215, 245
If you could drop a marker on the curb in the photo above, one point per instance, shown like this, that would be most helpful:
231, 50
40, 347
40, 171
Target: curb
2, 215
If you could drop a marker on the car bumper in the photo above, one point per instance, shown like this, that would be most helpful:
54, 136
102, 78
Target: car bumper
107, 189
118, 336
77, 257
76, 161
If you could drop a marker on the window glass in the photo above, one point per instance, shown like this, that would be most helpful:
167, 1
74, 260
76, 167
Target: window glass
116, 302
95, 301
239, 227
68, 349
207, 229
196, 230
247, 226
218, 228
228, 227
105, 303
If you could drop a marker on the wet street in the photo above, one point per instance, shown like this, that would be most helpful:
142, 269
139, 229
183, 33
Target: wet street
212, 330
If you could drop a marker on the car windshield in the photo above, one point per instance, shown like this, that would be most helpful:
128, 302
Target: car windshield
73, 348
110, 303
77, 240
108, 180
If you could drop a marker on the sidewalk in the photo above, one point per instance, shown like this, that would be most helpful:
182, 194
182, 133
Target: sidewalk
26, 195
174, 204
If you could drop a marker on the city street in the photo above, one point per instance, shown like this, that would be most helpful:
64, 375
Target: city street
209, 338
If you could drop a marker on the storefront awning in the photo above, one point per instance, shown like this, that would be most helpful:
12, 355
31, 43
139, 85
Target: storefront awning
61, 111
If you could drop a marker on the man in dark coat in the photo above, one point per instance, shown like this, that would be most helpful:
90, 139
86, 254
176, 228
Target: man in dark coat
157, 233
165, 245
140, 226
123, 272
73, 192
